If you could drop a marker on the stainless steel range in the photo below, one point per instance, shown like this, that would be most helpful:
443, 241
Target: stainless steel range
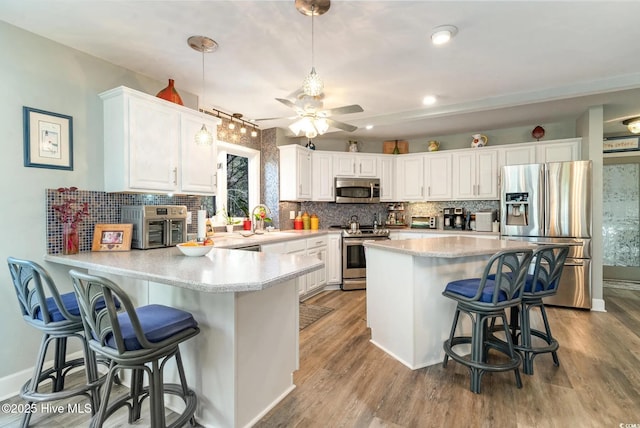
354, 264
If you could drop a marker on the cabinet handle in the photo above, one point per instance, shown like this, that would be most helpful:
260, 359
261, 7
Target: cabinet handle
429, 190
421, 191
354, 167
175, 175
360, 168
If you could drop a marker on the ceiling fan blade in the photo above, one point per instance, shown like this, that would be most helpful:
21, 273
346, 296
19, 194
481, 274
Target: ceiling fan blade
341, 125
287, 103
354, 108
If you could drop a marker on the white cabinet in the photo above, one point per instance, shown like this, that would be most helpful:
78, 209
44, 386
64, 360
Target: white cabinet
475, 174
437, 176
355, 165
149, 145
295, 173
334, 259
559, 150
520, 154
387, 178
410, 178
322, 183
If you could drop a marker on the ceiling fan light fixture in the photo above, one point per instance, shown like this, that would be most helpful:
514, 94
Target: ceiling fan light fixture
633, 125
321, 125
443, 34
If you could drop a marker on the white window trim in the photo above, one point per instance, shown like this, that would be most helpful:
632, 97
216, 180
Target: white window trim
253, 155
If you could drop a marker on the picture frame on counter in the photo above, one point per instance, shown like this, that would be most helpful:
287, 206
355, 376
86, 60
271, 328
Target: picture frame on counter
621, 144
112, 237
48, 139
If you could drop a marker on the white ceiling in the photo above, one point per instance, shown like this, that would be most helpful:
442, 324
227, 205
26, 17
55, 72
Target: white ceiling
512, 63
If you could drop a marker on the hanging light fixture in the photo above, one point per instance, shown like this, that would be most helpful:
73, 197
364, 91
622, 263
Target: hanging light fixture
312, 84
254, 132
204, 45
633, 125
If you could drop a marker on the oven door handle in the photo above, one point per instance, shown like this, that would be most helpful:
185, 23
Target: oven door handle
358, 241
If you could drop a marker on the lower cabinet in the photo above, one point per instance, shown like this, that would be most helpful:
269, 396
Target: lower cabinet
312, 282
333, 263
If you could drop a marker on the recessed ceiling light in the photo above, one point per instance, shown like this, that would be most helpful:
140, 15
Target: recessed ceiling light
429, 100
443, 34
369, 127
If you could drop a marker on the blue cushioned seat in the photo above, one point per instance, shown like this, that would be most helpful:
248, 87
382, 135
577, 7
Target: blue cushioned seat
469, 288
158, 323
70, 302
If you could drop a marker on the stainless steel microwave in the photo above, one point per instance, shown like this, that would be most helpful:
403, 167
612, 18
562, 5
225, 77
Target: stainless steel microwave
357, 190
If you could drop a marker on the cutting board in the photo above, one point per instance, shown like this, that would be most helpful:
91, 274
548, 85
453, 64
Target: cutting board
388, 146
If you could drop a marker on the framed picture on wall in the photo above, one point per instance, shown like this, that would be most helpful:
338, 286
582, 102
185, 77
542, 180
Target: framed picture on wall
112, 237
621, 144
48, 139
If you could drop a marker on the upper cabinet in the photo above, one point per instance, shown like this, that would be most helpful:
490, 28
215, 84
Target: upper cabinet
322, 184
475, 174
386, 169
355, 165
520, 155
295, 173
559, 150
410, 177
437, 175
149, 145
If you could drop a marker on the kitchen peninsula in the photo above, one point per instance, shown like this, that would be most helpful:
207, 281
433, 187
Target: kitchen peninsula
408, 316
246, 303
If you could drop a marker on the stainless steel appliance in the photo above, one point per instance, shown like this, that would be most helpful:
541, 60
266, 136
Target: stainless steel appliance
454, 218
484, 220
424, 222
551, 203
354, 264
156, 226
357, 190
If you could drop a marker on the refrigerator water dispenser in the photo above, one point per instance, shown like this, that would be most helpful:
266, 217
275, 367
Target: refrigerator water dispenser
517, 209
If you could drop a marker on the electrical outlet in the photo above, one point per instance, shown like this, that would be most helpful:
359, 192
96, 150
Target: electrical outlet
292, 215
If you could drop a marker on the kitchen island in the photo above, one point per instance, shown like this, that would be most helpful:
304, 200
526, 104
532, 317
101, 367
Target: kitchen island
406, 311
246, 304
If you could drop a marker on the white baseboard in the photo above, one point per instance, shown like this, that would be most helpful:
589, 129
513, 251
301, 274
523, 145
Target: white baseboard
10, 385
597, 305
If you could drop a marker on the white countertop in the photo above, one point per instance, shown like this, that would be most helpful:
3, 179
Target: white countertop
236, 240
220, 271
448, 247
453, 232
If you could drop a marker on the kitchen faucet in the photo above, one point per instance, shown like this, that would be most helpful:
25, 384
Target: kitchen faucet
254, 221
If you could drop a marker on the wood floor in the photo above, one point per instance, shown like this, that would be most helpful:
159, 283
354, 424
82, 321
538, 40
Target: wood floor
345, 381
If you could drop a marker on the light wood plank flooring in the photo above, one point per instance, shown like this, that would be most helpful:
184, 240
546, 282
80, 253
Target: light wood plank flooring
345, 381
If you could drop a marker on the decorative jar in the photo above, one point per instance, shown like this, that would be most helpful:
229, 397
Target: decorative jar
70, 241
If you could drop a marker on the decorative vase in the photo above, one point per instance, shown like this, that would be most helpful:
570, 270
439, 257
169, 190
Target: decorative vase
170, 94
396, 150
70, 241
229, 228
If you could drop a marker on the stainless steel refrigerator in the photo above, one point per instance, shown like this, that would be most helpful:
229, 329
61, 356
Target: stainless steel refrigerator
551, 203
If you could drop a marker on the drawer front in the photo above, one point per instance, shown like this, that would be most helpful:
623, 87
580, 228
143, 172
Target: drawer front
318, 241
297, 245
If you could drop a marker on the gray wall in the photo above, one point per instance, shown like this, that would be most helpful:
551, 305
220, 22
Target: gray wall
42, 74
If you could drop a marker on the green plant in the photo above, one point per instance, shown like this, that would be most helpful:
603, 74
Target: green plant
262, 215
228, 219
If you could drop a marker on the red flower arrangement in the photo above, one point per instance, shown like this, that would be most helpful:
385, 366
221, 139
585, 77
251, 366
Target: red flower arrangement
69, 211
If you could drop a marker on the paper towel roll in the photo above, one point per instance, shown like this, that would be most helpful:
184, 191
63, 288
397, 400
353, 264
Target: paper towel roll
202, 224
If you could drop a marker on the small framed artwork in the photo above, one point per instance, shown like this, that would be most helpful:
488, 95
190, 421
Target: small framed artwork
621, 144
48, 139
112, 237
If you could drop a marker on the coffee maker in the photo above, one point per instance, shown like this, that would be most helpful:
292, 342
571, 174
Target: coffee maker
459, 221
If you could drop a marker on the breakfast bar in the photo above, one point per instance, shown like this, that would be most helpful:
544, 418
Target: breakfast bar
246, 304
408, 316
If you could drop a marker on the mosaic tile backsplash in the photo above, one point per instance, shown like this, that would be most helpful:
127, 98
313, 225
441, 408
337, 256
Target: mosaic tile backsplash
105, 208
621, 215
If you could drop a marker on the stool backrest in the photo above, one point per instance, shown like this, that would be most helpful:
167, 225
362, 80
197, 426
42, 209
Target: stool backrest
97, 297
33, 286
509, 270
548, 263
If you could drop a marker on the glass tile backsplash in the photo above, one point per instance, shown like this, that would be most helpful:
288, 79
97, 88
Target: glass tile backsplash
105, 208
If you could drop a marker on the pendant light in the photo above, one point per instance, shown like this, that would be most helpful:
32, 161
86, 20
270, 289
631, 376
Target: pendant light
312, 85
204, 45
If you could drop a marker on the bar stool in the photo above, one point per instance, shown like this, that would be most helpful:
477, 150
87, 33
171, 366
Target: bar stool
142, 339
483, 299
548, 264
58, 318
